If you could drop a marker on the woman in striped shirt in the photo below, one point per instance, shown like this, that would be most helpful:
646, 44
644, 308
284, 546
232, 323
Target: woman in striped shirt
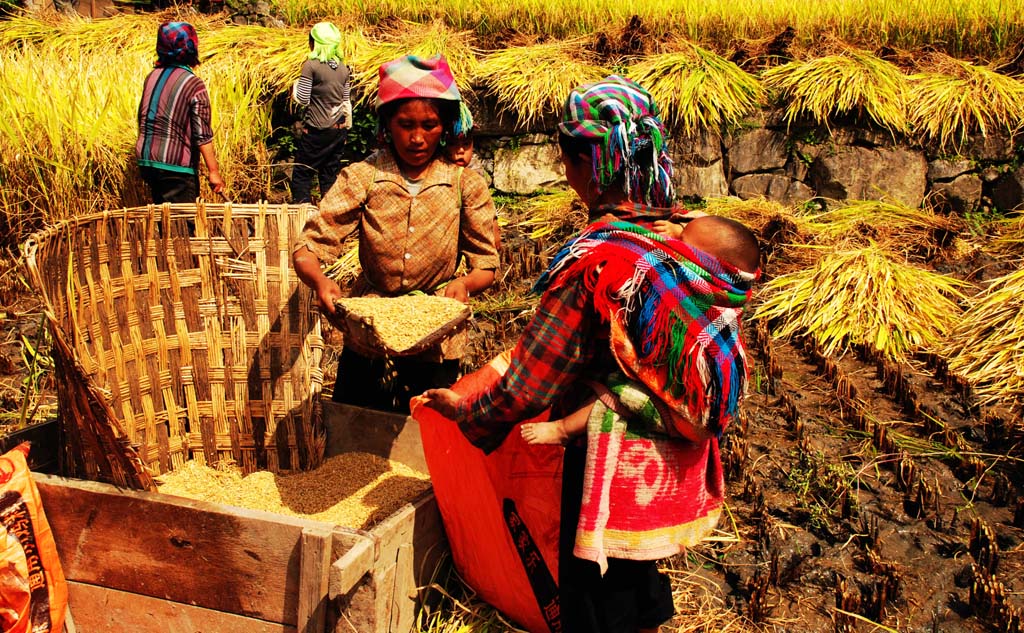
174, 120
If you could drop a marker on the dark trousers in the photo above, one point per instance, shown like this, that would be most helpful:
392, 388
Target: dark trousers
387, 385
170, 186
319, 153
631, 595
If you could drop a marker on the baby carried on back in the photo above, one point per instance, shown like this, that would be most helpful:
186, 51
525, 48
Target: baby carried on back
674, 304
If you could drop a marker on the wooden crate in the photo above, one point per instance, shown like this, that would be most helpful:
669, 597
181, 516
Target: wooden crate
152, 563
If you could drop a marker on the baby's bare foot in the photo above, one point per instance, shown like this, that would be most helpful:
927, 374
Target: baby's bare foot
543, 433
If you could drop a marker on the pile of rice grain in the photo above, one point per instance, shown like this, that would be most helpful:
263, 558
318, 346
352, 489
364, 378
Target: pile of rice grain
352, 490
402, 322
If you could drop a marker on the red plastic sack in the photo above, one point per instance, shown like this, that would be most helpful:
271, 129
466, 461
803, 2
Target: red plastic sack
33, 592
500, 511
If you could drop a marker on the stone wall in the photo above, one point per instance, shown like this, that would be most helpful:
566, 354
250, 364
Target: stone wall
791, 165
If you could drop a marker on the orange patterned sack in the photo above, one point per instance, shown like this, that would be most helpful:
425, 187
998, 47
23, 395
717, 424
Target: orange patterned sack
500, 510
33, 592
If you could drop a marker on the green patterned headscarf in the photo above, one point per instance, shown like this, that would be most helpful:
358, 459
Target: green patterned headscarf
326, 39
627, 137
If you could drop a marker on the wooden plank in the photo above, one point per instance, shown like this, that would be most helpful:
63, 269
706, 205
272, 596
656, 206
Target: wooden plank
429, 540
384, 580
103, 610
351, 567
406, 548
313, 579
410, 543
69, 622
389, 435
403, 614
233, 560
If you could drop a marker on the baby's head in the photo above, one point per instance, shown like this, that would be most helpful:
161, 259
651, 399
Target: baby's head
460, 150
725, 239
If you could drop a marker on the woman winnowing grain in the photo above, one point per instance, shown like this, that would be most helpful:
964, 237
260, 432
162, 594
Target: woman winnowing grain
619, 305
415, 215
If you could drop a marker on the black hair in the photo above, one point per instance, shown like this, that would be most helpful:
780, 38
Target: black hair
735, 243
573, 147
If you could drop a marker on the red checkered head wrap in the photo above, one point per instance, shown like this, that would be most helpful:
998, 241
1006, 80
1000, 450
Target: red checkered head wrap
177, 45
413, 77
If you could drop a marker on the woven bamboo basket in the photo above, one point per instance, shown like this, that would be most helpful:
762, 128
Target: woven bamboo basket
181, 332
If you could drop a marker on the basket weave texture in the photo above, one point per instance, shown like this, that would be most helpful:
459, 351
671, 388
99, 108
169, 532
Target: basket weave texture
181, 332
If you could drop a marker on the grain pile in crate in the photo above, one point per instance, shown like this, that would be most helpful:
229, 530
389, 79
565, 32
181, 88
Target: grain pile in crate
399, 325
352, 489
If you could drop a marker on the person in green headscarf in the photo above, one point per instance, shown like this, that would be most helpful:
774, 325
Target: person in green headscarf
323, 88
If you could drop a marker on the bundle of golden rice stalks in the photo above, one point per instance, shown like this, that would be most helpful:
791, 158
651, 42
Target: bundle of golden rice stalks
753, 212
851, 82
987, 345
423, 40
893, 225
698, 89
864, 297
346, 268
533, 81
954, 98
553, 213
1009, 236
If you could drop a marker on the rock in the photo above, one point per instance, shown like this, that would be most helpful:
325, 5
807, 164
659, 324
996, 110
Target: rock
535, 139
777, 187
859, 173
757, 151
701, 182
991, 174
527, 169
483, 167
863, 136
702, 149
1006, 191
996, 147
961, 195
801, 158
946, 169
271, 22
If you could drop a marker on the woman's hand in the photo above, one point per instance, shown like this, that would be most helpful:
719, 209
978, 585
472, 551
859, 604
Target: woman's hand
444, 401
456, 289
327, 292
307, 267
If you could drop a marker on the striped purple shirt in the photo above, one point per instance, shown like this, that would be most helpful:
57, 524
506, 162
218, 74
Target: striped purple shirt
174, 120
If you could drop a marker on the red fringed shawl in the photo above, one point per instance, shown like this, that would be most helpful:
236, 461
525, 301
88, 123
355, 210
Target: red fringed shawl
674, 313
653, 480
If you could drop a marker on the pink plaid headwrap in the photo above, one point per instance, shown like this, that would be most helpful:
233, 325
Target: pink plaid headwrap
413, 77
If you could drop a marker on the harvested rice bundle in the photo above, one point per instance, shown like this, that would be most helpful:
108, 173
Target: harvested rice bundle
399, 325
891, 224
865, 297
351, 489
987, 345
